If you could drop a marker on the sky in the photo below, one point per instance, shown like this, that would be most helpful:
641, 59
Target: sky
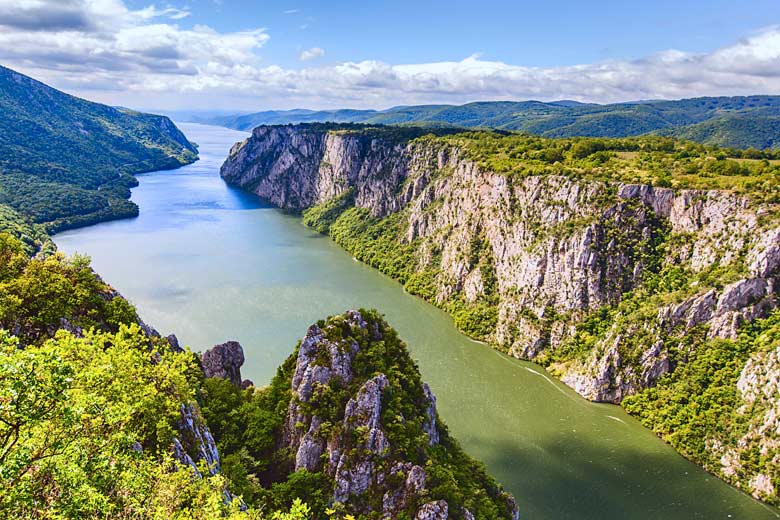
250, 55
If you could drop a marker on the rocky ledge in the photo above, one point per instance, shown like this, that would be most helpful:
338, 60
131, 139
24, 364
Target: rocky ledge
379, 436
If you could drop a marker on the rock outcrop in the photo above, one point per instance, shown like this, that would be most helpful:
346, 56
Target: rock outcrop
357, 443
195, 442
224, 361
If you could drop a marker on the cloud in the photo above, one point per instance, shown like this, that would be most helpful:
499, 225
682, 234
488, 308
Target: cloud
291, 11
311, 54
142, 57
97, 39
41, 15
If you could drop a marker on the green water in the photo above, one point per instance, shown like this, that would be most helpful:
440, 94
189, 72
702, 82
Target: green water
211, 263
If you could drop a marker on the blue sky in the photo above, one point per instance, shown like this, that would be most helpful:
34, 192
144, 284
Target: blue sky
549, 33
251, 55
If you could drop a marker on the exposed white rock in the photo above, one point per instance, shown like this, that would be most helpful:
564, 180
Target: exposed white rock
433, 511
555, 243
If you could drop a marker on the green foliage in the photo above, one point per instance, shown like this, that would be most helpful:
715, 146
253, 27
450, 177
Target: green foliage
67, 162
478, 320
86, 425
650, 160
748, 129
246, 425
70, 411
33, 238
375, 241
264, 473
37, 294
322, 216
699, 403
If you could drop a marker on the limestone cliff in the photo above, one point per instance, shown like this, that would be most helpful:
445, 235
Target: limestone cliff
360, 447
348, 425
609, 284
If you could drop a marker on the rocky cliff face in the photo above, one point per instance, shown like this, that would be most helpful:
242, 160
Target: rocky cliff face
224, 361
527, 262
559, 248
357, 444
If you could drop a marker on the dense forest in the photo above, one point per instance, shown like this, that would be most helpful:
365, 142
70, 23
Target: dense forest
67, 162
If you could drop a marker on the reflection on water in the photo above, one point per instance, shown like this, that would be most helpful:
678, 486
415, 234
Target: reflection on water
211, 263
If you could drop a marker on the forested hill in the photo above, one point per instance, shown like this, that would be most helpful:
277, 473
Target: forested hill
66, 162
740, 122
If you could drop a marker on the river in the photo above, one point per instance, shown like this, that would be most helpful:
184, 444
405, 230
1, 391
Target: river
211, 263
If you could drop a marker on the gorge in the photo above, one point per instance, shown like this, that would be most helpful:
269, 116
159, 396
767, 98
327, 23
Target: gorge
616, 285
267, 278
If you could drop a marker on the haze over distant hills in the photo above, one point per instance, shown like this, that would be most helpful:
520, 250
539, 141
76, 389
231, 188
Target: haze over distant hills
739, 122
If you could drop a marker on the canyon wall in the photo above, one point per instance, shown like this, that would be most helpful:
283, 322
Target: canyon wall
610, 285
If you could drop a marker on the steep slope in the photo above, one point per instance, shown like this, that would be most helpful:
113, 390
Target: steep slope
348, 424
97, 404
97, 408
615, 263
741, 130
68, 162
739, 122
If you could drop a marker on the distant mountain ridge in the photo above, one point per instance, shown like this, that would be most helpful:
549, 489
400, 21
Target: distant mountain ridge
67, 162
739, 122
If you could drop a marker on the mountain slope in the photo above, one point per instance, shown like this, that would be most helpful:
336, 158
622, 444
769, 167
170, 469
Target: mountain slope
741, 130
567, 119
67, 162
637, 270
348, 424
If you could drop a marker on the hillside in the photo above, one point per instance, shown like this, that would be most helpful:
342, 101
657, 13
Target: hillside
347, 424
740, 122
67, 162
101, 417
641, 271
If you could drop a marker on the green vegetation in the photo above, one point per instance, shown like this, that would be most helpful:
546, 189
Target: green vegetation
381, 241
86, 425
86, 419
67, 162
247, 425
741, 130
32, 236
697, 407
656, 161
89, 407
739, 122
41, 295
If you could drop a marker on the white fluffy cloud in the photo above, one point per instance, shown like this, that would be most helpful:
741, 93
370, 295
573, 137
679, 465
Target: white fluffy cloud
311, 54
102, 43
143, 58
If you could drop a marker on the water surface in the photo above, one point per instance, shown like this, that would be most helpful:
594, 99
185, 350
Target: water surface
211, 263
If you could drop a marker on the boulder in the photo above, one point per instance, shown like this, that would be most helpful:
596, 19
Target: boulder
224, 361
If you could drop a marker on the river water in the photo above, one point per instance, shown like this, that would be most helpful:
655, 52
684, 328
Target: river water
210, 263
